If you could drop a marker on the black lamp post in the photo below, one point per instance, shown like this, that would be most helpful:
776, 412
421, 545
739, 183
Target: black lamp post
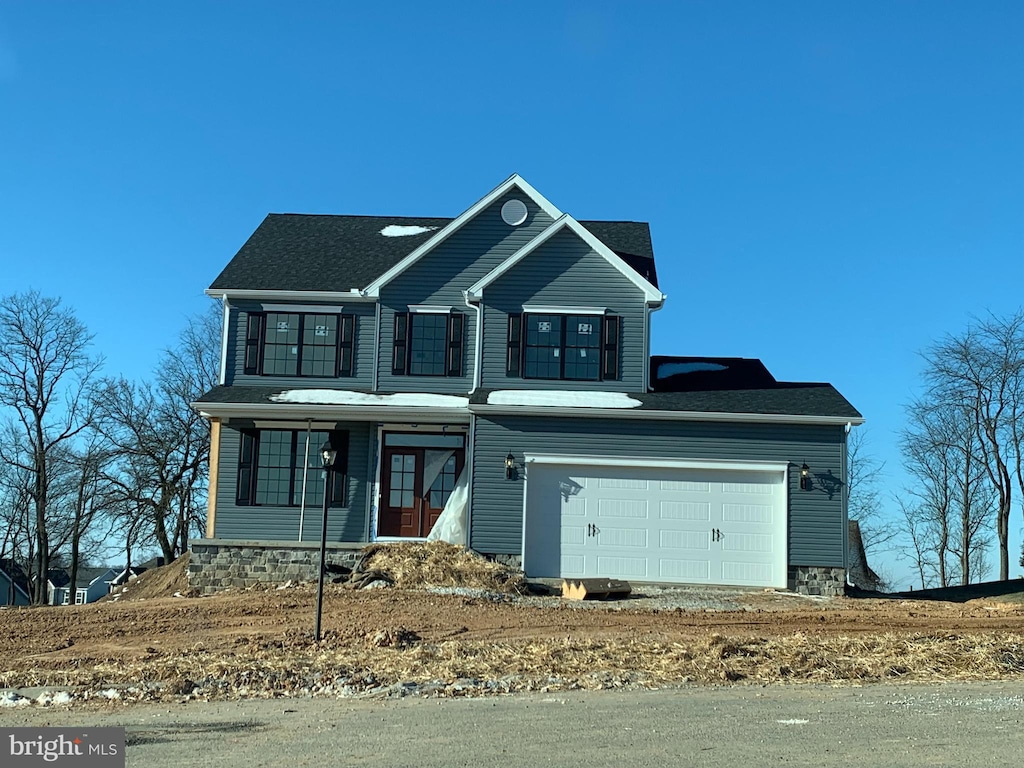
327, 455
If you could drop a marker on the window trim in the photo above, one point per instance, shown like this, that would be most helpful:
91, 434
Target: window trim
256, 341
248, 467
608, 348
454, 348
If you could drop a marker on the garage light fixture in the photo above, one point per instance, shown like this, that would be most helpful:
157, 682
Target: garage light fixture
510, 465
805, 477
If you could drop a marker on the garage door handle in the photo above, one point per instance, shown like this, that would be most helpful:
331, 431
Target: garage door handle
716, 534
592, 530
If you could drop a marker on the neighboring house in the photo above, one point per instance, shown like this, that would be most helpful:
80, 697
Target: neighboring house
14, 584
126, 575
90, 585
508, 349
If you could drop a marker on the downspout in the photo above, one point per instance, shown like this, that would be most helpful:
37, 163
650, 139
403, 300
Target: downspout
224, 339
477, 345
846, 509
376, 346
305, 474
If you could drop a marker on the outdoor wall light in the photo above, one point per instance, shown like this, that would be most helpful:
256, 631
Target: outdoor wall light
328, 455
805, 477
510, 465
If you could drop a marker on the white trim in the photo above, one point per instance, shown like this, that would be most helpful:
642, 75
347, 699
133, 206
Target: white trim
430, 309
317, 425
470, 442
353, 294
644, 462
552, 309
320, 309
224, 339
651, 293
637, 413
416, 415
515, 180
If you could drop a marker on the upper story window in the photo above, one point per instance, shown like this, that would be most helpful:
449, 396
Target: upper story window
428, 343
556, 345
299, 344
274, 466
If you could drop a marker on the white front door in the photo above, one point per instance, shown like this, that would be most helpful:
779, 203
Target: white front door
656, 523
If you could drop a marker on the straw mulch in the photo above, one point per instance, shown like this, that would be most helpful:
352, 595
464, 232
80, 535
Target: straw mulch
438, 564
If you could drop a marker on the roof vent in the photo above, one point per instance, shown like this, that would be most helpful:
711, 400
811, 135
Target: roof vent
513, 212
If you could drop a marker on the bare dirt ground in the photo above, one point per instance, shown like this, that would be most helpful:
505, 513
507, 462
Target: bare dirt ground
458, 640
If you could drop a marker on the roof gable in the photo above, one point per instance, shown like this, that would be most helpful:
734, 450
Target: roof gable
515, 181
567, 222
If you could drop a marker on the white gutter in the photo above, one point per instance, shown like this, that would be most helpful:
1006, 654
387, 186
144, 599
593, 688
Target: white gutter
352, 295
653, 415
376, 348
224, 339
478, 342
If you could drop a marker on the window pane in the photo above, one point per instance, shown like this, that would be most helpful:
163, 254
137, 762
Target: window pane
428, 345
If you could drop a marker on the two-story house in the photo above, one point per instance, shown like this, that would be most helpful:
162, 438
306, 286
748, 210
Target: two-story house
507, 352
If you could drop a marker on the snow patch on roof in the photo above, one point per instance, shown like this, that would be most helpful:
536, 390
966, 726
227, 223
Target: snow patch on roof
561, 399
400, 230
343, 397
671, 369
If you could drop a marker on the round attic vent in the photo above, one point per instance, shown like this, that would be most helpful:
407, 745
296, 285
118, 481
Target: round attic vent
513, 212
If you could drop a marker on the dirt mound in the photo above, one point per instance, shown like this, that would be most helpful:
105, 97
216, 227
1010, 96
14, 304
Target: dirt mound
164, 581
438, 564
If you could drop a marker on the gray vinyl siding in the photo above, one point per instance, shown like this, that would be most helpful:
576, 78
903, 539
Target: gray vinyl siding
564, 272
817, 518
344, 524
362, 353
441, 276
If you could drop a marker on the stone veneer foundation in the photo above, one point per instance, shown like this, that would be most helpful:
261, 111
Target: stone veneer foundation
817, 580
217, 564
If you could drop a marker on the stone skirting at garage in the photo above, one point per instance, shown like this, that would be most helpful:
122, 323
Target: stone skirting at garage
817, 580
217, 564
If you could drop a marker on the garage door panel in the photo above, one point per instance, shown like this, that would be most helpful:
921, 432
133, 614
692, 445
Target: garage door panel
625, 484
573, 565
687, 486
749, 489
748, 542
684, 570
575, 507
623, 537
747, 513
695, 540
697, 511
623, 567
741, 572
573, 535
627, 508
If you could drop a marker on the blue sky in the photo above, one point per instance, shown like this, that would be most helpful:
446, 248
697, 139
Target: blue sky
830, 186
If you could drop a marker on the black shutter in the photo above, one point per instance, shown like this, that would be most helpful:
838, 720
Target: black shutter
515, 344
346, 336
339, 477
455, 344
253, 332
247, 467
399, 354
610, 349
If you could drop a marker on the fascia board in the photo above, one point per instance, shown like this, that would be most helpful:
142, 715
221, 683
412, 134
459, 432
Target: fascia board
651, 294
303, 411
515, 180
307, 296
651, 415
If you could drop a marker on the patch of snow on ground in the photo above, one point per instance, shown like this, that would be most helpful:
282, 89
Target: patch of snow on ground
396, 230
47, 698
342, 397
562, 399
671, 369
110, 693
11, 699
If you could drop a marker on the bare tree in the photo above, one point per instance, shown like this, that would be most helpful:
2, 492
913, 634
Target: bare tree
162, 445
981, 372
864, 499
45, 374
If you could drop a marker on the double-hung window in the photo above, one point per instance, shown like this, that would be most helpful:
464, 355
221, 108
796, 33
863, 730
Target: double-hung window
428, 342
276, 466
557, 345
279, 343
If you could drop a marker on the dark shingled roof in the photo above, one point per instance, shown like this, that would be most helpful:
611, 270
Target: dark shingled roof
694, 374
781, 399
300, 252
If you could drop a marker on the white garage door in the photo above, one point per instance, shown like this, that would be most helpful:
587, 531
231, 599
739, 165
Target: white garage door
668, 522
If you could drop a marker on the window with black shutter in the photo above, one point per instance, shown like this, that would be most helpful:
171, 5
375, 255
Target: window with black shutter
455, 321
299, 344
514, 353
253, 333
564, 346
399, 351
610, 349
428, 344
274, 468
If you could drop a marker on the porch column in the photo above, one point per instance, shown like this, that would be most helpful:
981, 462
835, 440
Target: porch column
211, 499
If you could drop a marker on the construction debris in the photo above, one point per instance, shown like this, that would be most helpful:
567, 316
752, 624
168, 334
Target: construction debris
595, 589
